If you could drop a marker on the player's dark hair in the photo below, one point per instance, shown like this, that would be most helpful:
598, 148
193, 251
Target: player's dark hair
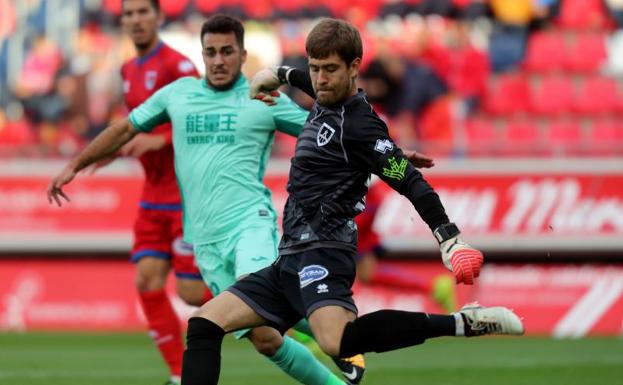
331, 36
224, 24
155, 4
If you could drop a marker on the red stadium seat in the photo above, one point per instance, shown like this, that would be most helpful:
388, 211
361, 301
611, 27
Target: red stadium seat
580, 14
588, 53
546, 51
606, 137
173, 8
563, 137
482, 136
207, 7
522, 138
553, 96
258, 9
597, 95
509, 94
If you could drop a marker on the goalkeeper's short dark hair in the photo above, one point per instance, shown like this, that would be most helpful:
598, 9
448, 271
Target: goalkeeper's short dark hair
331, 36
224, 24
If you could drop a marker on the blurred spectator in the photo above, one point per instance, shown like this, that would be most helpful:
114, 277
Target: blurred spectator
402, 90
39, 70
460, 63
615, 8
510, 33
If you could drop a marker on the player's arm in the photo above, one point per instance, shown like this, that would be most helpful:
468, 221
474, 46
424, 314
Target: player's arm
143, 118
288, 116
266, 82
369, 147
105, 144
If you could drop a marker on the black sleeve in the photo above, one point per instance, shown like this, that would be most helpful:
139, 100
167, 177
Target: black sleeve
369, 147
296, 78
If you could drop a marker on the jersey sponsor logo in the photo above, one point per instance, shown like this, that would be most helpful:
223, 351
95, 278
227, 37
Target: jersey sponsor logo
325, 133
383, 145
185, 66
150, 79
312, 273
396, 170
211, 128
126, 86
182, 248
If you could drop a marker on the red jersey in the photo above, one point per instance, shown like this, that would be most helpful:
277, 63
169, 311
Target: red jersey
142, 76
368, 240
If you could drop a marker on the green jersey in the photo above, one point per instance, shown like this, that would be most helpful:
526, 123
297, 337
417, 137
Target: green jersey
222, 141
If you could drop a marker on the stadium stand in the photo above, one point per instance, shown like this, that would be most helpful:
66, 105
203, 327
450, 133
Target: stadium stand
570, 69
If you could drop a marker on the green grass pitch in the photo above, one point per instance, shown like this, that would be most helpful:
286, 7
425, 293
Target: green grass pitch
130, 359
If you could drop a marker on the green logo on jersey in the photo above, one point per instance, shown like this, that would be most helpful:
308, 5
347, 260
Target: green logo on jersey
210, 123
396, 170
211, 128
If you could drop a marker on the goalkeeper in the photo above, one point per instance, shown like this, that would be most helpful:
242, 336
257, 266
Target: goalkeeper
221, 142
343, 141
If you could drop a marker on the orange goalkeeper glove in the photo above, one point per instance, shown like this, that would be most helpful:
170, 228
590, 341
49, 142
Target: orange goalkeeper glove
458, 257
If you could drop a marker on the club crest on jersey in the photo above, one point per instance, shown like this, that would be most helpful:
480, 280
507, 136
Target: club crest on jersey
150, 79
312, 273
185, 66
325, 133
182, 248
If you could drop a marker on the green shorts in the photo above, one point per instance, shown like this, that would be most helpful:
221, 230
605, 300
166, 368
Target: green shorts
250, 248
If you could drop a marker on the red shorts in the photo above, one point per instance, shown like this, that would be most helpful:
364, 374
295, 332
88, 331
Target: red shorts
158, 233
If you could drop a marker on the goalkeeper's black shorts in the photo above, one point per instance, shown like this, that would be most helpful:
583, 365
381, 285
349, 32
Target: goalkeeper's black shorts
297, 284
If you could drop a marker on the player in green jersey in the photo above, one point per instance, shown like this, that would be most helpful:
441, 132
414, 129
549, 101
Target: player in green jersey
221, 140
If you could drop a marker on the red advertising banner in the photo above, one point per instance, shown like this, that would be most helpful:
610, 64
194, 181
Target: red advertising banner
99, 216
563, 301
527, 205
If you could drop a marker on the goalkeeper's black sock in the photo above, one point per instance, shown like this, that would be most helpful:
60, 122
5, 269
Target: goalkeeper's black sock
202, 358
386, 330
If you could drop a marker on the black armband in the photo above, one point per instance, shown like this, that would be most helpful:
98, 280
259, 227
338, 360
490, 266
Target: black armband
445, 232
282, 74
296, 78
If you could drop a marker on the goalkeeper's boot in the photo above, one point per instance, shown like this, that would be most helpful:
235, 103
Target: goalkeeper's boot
352, 368
480, 320
443, 292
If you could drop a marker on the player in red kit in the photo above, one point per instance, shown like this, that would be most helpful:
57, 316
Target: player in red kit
158, 244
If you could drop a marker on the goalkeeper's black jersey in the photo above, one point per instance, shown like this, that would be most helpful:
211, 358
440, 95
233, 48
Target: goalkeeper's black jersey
336, 152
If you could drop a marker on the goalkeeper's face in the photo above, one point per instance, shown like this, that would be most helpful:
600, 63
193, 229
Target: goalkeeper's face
333, 80
140, 20
223, 58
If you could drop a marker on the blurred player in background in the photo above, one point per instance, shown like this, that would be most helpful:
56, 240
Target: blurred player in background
158, 243
371, 249
222, 141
